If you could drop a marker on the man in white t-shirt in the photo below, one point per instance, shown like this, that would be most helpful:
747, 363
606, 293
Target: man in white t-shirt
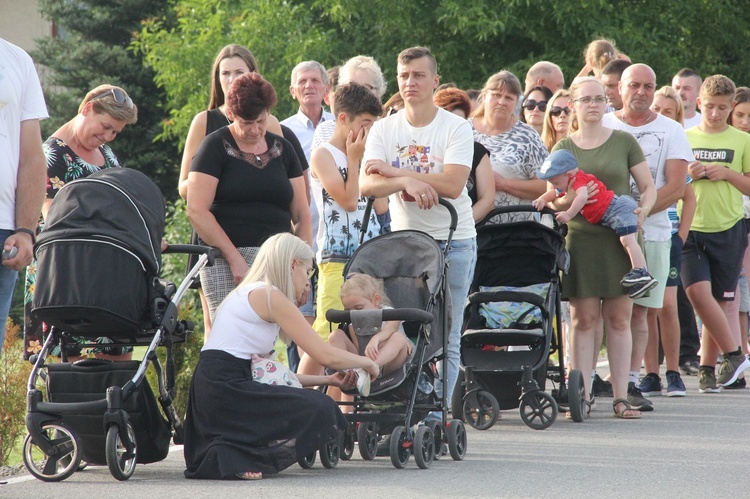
667, 152
687, 83
415, 157
22, 166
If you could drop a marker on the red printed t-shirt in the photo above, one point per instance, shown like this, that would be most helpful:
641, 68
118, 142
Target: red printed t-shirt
595, 211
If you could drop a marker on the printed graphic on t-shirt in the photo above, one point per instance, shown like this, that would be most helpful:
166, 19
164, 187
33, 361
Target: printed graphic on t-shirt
714, 155
414, 157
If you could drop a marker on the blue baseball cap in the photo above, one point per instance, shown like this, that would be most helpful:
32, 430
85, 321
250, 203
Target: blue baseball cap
560, 161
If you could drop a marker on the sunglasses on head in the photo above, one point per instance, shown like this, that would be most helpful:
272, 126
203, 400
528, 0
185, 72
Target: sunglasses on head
119, 96
531, 104
557, 111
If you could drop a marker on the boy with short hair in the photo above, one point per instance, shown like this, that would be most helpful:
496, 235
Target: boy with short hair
713, 251
619, 213
334, 183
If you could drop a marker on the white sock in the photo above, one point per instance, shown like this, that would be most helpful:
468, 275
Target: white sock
633, 376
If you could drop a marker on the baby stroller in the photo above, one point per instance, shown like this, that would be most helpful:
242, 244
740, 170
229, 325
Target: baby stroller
412, 267
508, 335
99, 258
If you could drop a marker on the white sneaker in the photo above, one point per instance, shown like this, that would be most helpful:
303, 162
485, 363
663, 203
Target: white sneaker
363, 382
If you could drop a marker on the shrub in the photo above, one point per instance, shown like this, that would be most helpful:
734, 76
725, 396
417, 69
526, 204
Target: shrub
14, 374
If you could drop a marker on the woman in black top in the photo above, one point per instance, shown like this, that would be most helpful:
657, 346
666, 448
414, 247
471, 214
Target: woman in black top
245, 184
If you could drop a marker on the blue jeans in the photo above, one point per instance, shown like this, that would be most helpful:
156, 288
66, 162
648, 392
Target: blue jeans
7, 283
462, 258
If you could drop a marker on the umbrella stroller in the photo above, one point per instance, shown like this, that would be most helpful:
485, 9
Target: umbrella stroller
98, 261
412, 266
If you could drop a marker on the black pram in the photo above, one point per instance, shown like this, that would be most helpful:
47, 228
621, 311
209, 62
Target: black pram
98, 261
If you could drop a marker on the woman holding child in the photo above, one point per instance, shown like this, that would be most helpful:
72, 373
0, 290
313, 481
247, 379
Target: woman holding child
262, 428
598, 261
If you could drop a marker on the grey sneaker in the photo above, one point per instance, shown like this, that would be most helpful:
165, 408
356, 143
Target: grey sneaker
675, 386
637, 400
707, 382
731, 367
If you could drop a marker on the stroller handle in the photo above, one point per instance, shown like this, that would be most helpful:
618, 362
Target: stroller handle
194, 249
389, 314
368, 209
520, 208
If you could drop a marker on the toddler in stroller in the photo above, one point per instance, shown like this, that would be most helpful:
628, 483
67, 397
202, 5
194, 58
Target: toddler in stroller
99, 258
412, 267
389, 347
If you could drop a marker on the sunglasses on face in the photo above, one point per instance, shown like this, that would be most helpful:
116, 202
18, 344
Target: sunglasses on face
531, 104
120, 97
557, 111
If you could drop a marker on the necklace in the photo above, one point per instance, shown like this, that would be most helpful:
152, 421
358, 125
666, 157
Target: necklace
647, 120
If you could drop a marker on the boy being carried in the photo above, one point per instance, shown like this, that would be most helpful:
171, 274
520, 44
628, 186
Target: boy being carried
620, 213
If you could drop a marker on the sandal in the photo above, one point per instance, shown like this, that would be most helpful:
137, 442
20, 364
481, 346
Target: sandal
250, 475
628, 412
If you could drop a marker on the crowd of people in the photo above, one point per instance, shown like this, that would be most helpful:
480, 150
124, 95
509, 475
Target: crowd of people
652, 183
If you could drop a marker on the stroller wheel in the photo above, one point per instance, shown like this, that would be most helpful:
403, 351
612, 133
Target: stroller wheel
329, 454
457, 439
437, 436
576, 395
120, 461
481, 410
308, 461
538, 410
424, 447
367, 440
65, 458
399, 447
346, 451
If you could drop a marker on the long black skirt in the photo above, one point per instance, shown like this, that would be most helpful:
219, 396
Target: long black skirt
234, 424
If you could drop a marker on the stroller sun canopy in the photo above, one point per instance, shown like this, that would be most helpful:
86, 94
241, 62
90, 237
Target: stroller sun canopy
117, 204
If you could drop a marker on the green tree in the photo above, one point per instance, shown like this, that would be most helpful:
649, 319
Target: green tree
471, 40
93, 48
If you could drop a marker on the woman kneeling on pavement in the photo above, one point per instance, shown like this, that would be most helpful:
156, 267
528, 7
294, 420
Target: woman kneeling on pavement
240, 428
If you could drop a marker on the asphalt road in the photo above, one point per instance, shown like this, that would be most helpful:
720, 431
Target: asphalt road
688, 447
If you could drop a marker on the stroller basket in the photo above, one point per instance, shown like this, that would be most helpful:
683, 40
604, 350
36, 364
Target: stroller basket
86, 381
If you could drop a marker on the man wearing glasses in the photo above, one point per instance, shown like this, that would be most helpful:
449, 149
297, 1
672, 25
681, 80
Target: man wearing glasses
22, 167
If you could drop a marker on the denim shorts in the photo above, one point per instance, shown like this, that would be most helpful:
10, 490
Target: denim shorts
620, 217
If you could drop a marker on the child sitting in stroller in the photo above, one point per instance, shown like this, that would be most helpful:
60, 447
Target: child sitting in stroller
389, 348
620, 213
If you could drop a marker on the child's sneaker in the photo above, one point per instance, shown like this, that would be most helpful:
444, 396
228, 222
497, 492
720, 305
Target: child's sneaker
636, 276
363, 382
731, 367
642, 290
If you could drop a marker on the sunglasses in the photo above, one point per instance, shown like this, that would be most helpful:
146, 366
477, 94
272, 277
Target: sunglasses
557, 111
119, 96
531, 104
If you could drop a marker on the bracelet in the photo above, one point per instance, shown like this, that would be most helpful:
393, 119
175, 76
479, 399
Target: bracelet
27, 231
